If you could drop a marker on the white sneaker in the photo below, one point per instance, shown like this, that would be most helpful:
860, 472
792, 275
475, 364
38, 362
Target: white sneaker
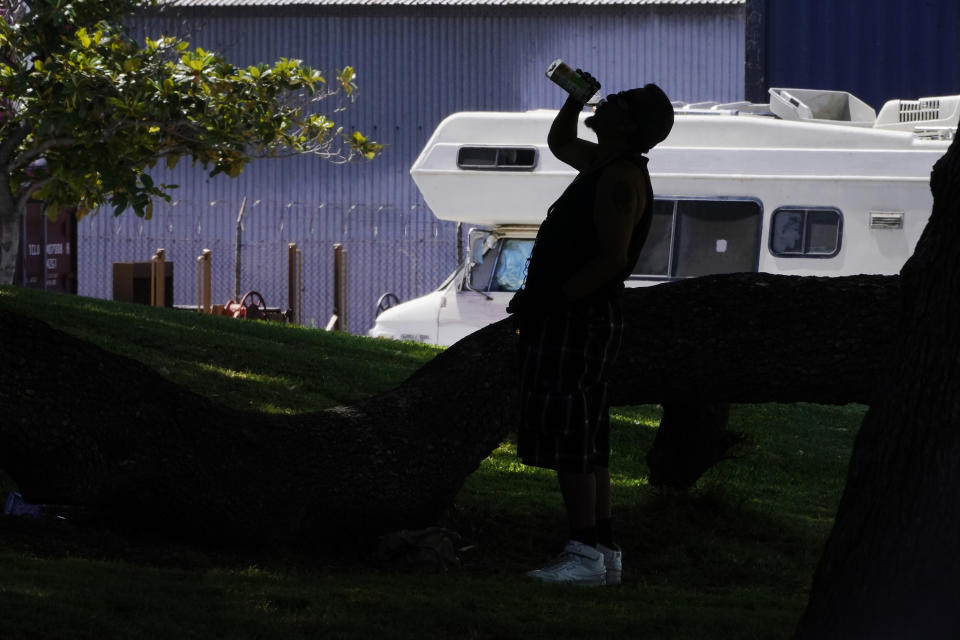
578, 564
613, 562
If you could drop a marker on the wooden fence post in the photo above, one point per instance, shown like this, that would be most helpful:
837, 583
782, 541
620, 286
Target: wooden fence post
158, 273
238, 267
295, 283
203, 282
340, 287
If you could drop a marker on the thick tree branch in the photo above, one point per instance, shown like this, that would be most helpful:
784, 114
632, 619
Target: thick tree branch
27, 192
9, 145
37, 151
166, 457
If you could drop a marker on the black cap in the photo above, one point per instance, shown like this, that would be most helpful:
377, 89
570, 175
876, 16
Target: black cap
653, 113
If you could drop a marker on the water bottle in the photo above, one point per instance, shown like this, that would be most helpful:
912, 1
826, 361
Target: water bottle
573, 83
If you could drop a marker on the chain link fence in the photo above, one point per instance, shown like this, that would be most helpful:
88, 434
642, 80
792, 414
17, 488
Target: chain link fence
403, 250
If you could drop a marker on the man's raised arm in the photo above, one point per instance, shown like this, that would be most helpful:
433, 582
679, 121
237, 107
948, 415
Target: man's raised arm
563, 140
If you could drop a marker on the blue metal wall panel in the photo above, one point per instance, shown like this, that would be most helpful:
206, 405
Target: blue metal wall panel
875, 49
415, 66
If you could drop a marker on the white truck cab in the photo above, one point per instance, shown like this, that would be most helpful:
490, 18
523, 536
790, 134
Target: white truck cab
813, 183
473, 296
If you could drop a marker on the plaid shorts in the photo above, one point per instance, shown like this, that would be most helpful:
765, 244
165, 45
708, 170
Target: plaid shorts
564, 361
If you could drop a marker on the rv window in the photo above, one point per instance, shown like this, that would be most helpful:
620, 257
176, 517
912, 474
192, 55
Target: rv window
497, 158
655, 257
699, 237
446, 282
812, 233
482, 271
823, 233
716, 236
512, 266
477, 157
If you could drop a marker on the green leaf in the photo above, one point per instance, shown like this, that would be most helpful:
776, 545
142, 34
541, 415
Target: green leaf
346, 78
84, 38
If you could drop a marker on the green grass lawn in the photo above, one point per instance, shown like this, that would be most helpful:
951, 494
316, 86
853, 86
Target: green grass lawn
731, 558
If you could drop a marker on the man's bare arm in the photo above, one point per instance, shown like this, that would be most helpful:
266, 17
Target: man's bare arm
563, 140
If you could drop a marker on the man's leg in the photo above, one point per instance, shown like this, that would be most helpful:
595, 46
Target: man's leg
580, 498
604, 508
581, 562
612, 556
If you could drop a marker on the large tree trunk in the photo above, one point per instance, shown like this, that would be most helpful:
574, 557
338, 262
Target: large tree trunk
12, 206
10, 229
891, 567
136, 445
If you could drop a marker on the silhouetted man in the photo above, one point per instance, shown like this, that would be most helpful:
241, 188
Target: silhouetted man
570, 318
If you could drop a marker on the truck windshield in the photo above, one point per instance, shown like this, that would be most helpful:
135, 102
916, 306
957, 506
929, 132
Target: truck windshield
504, 266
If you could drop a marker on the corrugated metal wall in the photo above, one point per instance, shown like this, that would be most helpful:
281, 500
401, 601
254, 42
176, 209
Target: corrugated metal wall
415, 66
875, 49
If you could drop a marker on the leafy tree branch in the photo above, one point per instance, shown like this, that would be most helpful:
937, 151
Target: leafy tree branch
86, 111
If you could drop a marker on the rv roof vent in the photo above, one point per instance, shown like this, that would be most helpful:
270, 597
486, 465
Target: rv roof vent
917, 110
925, 114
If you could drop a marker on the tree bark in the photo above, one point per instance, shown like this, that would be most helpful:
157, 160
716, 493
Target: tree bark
10, 230
756, 338
11, 213
891, 567
691, 438
9, 237
129, 442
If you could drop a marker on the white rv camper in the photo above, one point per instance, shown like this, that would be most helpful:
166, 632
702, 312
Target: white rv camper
814, 183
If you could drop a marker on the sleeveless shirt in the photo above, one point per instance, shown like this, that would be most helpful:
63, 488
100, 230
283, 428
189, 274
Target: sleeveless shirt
568, 239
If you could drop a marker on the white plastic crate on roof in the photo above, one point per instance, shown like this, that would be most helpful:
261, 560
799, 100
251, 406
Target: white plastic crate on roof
816, 105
